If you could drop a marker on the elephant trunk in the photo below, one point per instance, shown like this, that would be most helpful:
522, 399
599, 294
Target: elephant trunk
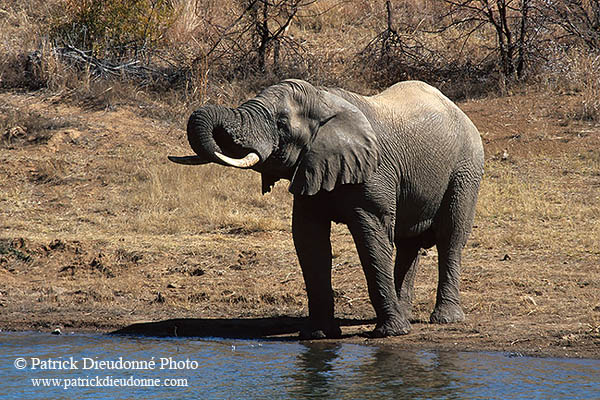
222, 135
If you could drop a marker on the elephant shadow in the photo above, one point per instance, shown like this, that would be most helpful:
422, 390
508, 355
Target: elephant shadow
277, 327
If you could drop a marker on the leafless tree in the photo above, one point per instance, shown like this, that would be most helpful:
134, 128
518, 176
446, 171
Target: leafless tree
395, 53
580, 19
511, 20
257, 33
269, 21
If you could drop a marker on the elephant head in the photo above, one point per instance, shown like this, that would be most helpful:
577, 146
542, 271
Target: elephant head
312, 136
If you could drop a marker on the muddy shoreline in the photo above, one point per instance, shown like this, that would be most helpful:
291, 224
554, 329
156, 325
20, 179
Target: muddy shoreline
455, 343
461, 337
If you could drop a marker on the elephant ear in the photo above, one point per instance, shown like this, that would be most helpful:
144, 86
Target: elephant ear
344, 150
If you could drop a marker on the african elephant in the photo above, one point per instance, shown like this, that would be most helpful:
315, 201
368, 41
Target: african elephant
401, 169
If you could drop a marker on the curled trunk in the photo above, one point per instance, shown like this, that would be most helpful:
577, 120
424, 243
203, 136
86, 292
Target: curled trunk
222, 135
210, 130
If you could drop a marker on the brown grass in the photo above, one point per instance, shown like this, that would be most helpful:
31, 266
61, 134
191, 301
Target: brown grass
172, 200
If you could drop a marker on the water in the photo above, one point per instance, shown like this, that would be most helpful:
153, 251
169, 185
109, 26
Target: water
254, 369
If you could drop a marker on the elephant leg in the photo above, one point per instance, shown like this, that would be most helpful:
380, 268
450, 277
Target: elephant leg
375, 250
453, 229
313, 247
447, 306
405, 270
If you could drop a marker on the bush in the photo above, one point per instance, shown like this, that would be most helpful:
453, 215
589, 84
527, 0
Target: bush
112, 29
580, 74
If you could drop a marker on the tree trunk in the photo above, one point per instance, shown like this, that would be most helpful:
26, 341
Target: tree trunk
525, 4
263, 33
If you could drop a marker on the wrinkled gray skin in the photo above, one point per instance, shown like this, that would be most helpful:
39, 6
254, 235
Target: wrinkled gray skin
401, 169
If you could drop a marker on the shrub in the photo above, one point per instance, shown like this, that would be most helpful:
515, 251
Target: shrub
583, 76
112, 29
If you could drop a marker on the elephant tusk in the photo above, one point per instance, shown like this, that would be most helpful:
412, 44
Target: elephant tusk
249, 161
188, 160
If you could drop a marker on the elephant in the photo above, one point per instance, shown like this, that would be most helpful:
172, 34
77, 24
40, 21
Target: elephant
401, 169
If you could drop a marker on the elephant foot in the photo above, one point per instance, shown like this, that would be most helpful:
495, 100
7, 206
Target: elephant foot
447, 313
311, 333
392, 327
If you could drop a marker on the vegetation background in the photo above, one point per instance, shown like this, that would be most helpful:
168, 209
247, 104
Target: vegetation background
98, 230
208, 50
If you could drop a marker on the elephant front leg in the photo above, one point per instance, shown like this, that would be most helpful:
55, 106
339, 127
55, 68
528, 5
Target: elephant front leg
313, 246
375, 250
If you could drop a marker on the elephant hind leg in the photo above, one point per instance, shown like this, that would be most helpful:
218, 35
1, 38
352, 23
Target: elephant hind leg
453, 227
448, 307
405, 270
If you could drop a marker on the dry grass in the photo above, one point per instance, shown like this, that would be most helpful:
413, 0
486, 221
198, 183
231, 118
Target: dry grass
173, 199
531, 211
584, 77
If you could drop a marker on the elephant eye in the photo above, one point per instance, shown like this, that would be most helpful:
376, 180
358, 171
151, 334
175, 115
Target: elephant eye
282, 123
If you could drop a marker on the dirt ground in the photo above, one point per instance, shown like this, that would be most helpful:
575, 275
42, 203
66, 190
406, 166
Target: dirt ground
75, 252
